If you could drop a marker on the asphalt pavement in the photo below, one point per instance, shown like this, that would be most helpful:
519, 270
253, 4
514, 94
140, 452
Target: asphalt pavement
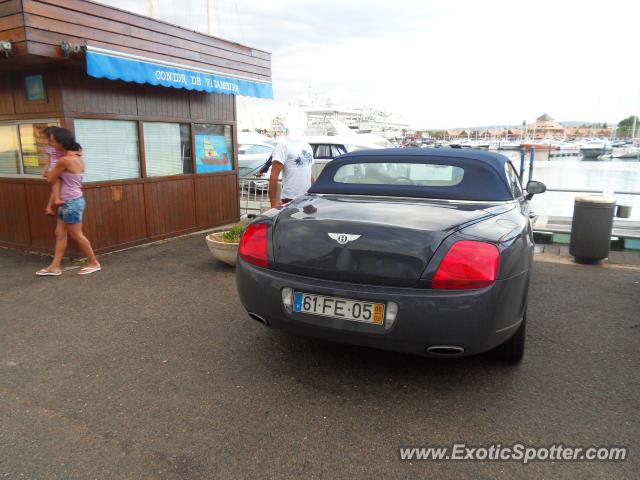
151, 369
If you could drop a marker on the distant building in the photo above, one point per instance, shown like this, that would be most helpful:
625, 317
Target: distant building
545, 127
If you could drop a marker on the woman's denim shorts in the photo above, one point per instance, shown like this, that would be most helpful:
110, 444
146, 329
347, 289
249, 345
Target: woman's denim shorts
70, 212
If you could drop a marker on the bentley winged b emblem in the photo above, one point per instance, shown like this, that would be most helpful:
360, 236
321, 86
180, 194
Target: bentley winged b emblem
343, 238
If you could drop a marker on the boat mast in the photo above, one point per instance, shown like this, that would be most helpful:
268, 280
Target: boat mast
209, 29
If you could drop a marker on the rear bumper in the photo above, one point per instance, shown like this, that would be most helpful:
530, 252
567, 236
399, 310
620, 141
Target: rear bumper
477, 320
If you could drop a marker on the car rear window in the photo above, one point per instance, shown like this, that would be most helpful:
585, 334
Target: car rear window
396, 173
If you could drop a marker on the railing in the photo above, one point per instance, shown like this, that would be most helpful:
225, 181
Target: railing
583, 190
254, 195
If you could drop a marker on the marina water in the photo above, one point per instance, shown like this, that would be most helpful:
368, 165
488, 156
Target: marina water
606, 175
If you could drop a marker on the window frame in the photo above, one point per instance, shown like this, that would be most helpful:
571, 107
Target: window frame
234, 148
17, 123
143, 150
67, 121
514, 180
317, 147
141, 161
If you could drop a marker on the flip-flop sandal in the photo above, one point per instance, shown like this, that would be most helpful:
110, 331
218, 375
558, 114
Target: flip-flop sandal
89, 270
43, 272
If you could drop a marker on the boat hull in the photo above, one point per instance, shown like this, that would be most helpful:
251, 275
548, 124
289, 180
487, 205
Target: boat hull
626, 153
593, 152
543, 147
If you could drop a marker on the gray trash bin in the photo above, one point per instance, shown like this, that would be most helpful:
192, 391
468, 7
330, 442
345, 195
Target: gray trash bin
591, 227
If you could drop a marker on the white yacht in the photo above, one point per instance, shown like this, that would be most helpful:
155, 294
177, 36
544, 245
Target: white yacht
508, 145
626, 152
595, 148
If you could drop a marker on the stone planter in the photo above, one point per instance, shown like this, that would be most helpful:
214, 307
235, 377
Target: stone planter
223, 251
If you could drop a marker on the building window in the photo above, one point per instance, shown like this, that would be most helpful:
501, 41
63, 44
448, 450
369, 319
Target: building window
214, 148
110, 149
167, 148
23, 148
9, 149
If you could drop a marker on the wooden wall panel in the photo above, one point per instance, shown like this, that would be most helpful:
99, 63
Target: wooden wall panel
46, 30
163, 102
14, 218
120, 215
9, 22
10, 7
84, 94
6, 95
217, 200
114, 215
41, 225
53, 104
207, 106
115, 28
81, 22
170, 206
13, 35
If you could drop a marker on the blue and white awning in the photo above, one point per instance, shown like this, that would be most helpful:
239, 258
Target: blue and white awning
102, 63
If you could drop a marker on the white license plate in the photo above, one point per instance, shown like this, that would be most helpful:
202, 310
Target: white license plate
356, 310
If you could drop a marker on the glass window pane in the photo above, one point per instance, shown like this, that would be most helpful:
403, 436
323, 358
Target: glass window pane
214, 148
9, 154
392, 173
514, 180
167, 149
250, 149
322, 151
110, 149
34, 144
336, 151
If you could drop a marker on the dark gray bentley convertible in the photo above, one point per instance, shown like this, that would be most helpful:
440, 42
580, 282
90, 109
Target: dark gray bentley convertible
421, 251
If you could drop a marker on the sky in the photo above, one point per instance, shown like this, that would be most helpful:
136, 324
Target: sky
439, 64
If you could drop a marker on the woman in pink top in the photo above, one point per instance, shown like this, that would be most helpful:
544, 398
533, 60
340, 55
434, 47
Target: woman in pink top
69, 170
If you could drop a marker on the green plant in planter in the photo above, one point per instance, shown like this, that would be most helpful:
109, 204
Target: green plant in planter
234, 234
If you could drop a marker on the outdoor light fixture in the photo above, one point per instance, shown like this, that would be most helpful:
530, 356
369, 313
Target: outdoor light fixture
5, 47
69, 49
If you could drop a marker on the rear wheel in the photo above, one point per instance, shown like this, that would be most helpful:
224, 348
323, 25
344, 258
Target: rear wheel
512, 350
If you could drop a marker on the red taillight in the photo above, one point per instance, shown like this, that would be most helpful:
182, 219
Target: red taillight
467, 264
253, 245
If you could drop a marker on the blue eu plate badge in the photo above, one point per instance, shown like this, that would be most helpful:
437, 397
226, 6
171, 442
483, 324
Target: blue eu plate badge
297, 302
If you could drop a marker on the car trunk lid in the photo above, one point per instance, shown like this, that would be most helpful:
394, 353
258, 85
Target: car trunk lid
378, 241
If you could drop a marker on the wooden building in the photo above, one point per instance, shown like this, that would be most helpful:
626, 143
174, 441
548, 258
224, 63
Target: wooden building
152, 104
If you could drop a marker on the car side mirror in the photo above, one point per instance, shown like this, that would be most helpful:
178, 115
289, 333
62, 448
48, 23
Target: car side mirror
534, 187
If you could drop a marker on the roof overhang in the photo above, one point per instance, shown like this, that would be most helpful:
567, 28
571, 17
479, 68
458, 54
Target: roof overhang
114, 65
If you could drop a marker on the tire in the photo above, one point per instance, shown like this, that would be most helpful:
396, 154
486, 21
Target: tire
512, 350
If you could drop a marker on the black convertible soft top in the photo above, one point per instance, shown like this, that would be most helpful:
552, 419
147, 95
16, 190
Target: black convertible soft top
484, 174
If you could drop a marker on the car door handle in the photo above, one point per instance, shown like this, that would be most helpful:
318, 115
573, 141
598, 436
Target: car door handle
532, 215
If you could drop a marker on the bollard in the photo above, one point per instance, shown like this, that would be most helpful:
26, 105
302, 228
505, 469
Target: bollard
521, 165
531, 158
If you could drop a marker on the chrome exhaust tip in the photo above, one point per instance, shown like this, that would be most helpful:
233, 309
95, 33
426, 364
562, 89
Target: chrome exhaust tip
445, 350
258, 318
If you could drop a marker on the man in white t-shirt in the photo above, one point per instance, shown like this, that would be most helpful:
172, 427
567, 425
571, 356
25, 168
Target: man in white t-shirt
293, 157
